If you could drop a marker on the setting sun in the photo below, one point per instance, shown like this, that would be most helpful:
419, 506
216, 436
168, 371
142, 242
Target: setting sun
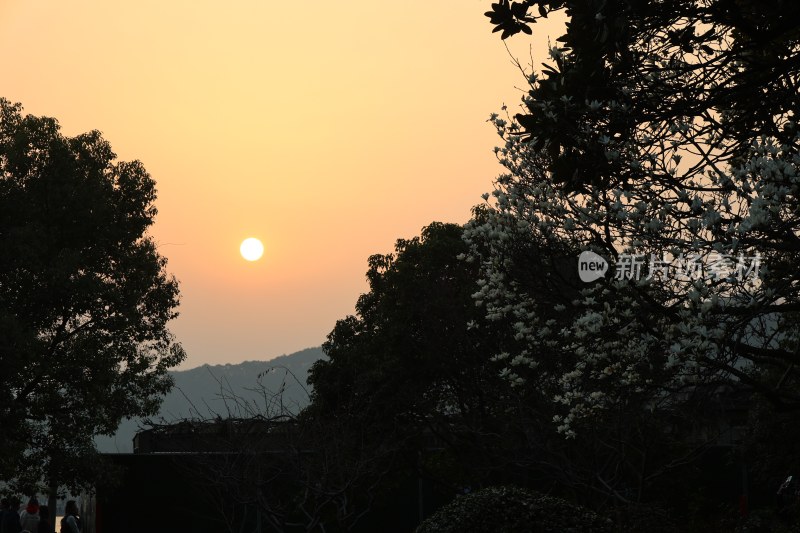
251, 249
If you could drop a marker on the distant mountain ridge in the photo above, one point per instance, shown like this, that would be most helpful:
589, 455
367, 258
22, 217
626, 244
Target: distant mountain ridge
227, 390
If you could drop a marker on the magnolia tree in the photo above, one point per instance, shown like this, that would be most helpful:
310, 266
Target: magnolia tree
663, 138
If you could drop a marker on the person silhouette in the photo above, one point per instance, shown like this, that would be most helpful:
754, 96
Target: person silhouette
10, 521
29, 517
45, 524
71, 522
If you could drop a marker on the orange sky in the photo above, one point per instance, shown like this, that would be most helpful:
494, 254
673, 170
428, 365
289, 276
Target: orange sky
326, 129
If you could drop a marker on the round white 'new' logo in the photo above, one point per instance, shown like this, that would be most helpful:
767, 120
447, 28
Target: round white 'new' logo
591, 266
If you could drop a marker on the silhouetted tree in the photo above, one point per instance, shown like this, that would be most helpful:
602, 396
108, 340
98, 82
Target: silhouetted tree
662, 135
414, 362
722, 73
84, 297
667, 132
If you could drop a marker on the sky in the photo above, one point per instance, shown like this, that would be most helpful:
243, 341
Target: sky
327, 130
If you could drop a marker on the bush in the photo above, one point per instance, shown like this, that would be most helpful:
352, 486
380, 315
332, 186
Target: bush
513, 509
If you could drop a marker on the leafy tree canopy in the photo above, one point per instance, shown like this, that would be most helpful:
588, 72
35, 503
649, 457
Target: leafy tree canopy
413, 348
635, 82
84, 295
665, 133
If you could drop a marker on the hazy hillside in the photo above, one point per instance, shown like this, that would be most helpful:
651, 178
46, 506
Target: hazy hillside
208, 390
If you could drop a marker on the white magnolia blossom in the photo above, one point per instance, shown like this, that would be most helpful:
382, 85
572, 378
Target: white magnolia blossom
626, 338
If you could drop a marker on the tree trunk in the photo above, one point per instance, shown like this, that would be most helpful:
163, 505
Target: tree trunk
52, 505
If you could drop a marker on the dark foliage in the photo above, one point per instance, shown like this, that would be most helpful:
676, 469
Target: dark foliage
512, 509
84, 297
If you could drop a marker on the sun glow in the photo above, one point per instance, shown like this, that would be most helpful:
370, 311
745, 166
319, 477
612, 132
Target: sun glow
251, 249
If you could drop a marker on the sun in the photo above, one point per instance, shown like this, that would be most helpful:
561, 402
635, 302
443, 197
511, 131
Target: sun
251, 249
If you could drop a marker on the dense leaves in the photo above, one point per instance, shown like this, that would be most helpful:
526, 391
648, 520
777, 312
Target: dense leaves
509, 18
664, 131
663, 137
84, 295
511, 509
623, 66
413, 360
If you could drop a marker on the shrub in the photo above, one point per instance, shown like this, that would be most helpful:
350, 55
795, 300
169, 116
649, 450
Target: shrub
513, 509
